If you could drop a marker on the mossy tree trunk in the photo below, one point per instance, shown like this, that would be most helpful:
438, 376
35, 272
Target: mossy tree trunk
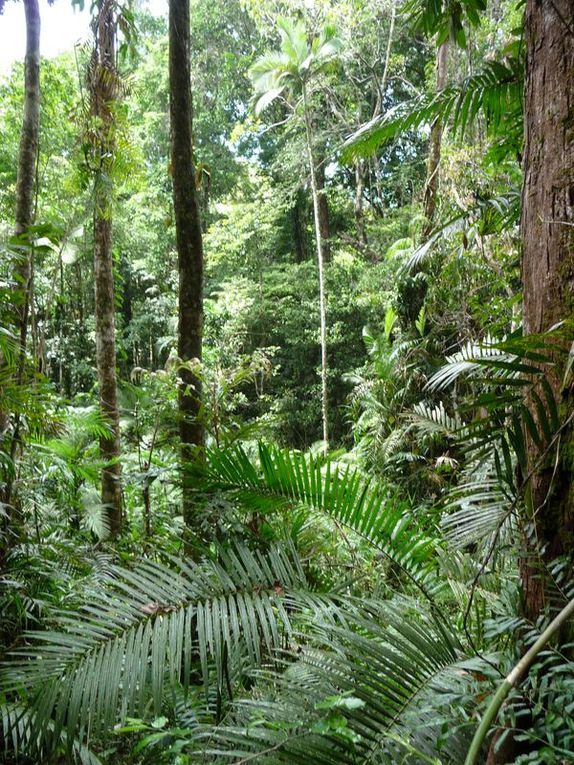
189, 245
103, 82
435, 147
25, 193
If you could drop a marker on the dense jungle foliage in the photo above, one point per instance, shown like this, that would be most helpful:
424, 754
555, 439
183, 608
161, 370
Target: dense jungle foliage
286, 385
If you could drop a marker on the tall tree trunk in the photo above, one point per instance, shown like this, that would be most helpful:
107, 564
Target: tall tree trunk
361, 166
103, 94
547, 228
321, 269
435, 145
360, 175
324, 221
189, 242
25, 186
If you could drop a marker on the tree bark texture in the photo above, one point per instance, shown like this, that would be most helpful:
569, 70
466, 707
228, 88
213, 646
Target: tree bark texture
103, 93
435, 145
547, 228
298, 228
25, 188
188, 236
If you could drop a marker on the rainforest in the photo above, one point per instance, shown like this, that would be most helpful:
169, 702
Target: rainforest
287, 382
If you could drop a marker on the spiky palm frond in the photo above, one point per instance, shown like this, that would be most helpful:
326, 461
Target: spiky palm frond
515, 408
496, 92
509, 374
434, 420
145, 631
18, 733
348, 693
476, 510
488, 216
290, 478
473, 359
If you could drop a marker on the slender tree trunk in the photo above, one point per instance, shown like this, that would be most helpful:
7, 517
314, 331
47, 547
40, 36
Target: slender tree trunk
547, 228
324, 221
360, 173
435, 145
25, 186
189, 243
321, 268
361, 166
103, 93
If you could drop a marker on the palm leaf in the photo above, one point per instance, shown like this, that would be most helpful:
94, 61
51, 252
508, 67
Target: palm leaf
147, 629
489, 216
286, 477
346, 694
496, 92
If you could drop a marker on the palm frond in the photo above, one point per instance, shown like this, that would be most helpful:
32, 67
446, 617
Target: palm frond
290, 478
515, 405
476, 510
445, 18
434, 420
146, 631
496, 92
293, 40
19, 737
488, 216
468, 360
347, 692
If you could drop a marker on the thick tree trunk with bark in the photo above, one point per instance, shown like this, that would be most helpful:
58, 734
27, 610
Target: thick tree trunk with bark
189, 241
25, 188
103, 93
547, 227
31, 123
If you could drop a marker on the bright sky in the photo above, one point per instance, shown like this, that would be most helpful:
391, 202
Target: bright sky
62, 27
